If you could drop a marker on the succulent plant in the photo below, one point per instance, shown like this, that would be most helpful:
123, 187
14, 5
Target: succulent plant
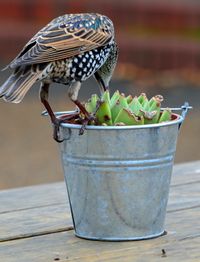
127, 110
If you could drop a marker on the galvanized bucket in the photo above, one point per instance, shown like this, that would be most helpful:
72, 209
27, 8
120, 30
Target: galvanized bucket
118, 178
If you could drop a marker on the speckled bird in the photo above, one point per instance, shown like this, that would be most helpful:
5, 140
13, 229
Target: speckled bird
68, 50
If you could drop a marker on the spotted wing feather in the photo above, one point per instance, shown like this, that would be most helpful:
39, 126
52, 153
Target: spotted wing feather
66, 37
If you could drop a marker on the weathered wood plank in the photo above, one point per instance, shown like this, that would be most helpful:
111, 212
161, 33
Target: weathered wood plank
184, 196
55, 193
41, 210
35, 221
47, 218
181, 244
56, 217
33, 196
186, 173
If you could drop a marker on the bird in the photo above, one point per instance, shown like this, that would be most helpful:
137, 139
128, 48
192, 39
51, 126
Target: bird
68, 50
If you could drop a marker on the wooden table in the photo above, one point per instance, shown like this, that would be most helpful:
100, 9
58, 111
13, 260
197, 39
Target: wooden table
35, 225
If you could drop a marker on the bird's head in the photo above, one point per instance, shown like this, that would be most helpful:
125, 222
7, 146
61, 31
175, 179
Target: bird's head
104, 74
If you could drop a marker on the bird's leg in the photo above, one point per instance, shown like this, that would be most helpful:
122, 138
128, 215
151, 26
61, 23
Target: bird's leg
44, 91
44, 95
73, 95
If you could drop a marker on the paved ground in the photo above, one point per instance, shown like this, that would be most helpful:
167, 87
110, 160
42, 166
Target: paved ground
29, 155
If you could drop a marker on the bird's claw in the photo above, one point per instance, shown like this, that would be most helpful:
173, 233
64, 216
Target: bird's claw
89, 118
56, 130
57, 121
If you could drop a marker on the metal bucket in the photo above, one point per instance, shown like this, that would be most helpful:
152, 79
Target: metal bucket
118, 178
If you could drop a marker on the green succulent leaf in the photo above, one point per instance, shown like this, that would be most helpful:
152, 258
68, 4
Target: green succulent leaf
116, 109
145, 104
141, 98
114, 98
165, 116
106, 97
88, 107
91, 105
151, 117
155, 102
129, 99
122, 100
135, 106
120, 104
128, 118
103, 114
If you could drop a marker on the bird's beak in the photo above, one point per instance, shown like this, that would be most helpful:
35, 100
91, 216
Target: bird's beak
101, 83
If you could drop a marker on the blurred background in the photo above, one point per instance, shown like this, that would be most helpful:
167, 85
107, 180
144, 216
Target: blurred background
159, 45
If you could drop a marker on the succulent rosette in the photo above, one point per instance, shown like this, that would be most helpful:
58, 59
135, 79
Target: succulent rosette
119, 109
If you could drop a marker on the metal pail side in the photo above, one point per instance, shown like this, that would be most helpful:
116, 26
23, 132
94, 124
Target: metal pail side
118, 178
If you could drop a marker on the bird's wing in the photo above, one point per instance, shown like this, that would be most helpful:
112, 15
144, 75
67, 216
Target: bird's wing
65, 37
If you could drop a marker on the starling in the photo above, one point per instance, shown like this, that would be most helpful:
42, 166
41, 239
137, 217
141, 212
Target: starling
68, 50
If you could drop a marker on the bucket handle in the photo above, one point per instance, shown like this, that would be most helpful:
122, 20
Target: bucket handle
185, 107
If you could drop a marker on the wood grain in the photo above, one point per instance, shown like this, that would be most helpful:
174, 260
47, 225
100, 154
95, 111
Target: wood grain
33, 196
35, 221
186, 173
181, 244
35, 224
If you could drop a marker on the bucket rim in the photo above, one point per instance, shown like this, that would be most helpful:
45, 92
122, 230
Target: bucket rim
178, 120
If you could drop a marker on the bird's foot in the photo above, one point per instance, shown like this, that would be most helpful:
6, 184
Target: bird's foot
56, 130
84, 122
63, 119
89, 118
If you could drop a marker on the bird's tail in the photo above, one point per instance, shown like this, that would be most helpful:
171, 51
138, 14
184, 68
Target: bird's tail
18, 84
